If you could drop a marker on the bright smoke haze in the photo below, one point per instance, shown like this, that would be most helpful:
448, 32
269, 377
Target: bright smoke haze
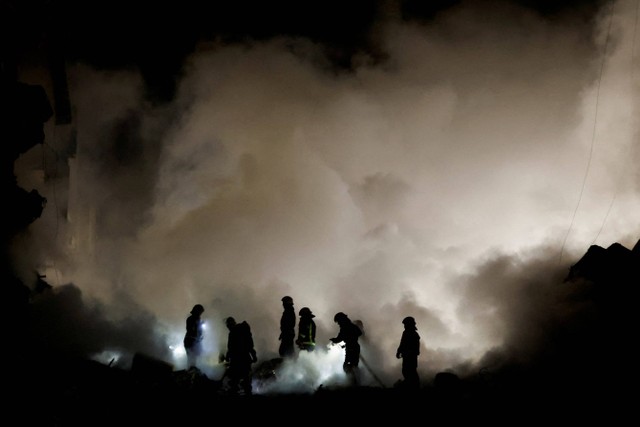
440, 184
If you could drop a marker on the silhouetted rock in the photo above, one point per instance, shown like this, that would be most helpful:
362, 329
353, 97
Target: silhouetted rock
24, 109
446, 380
614, 265
151, 370
594, 338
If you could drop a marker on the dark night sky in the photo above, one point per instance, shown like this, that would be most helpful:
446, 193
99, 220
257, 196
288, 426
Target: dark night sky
156, 37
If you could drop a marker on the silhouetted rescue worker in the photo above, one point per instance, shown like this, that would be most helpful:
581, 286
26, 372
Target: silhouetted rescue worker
240, 355
408, 351
287, 328
349, 334
193, 337
306, 330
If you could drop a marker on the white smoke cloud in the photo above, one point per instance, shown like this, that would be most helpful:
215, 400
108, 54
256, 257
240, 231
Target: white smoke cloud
376, 193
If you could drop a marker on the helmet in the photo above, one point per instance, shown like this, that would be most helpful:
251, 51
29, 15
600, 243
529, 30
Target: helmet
408, 321
230, 321
304, 311
339, 316
287, 299
197, 309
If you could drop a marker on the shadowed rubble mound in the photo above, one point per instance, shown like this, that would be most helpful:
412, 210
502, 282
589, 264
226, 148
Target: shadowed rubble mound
587, 369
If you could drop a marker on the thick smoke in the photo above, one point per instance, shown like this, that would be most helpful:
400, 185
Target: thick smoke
439, 183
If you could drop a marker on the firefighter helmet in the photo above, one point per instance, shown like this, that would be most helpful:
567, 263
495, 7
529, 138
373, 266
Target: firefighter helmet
305, 311
408, 321
230, 322
197, 309
339, 316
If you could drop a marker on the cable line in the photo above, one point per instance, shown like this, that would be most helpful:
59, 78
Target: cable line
593, 136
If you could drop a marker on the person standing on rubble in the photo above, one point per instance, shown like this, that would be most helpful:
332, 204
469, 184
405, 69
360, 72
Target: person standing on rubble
349, 334
408, 351
194, 335
240, 355
306, 330
287, 328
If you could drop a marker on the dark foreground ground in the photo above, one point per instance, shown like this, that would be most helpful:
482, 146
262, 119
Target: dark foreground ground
582, 371
88, 393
